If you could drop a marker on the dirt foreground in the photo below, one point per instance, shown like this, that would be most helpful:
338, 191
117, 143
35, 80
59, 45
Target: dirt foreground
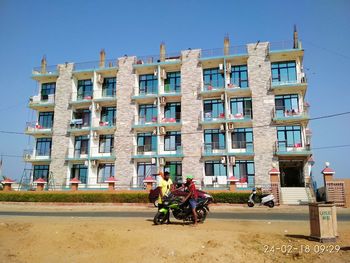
35, 239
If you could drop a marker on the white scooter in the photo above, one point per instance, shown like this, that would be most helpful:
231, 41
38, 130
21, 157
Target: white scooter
267, 200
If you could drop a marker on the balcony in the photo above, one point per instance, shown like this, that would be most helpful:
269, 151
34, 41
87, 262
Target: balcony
235, 90
282, 148
105, 97
213, 149
81, 99
144, 122
287, 86
211, 118
32, 156
244, 117
144, 151
233, 51
102, 153
211, 90
105, 127
284, 115
241, 148
78, 126
144, 94
35, 129
42, 102
171, 122
172, 151
73, 154
153, 60
45, 73
171, 91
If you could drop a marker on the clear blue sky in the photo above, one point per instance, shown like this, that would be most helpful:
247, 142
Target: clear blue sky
75, 31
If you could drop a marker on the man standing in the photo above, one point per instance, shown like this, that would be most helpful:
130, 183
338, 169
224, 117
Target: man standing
192, 197
166, 186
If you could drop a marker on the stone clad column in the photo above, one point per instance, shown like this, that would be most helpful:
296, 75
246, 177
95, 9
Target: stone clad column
191, 106
123, 142
62, 117
259, 74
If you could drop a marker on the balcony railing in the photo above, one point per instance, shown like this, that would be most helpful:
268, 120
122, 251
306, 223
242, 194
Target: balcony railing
73, 153
169, 57
242, 146
47, 70
211, 117
82, 97
102, 152
145, 91
283, 45
33, 155
171, 89
37, 127
212, 87
219, 52
246, 114
284, 147
143, 120
213, 148
300, 79
288, 113
44, 99
172, 119
173, 149
104, 94
78, 124
147, 149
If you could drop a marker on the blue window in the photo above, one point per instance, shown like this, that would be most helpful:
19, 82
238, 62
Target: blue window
213, 109
287, 105
144, 170
172, 84
172, 141
45, 120
41, 171
147, 113
215, 168
239, 76
47, 89
109, 87
81, 118
106, 143
43, 147
214, 139
284, 72
242, 138
148, 84
108, 114
105, 170
84, 89
81, 145
289, 136
242, 107
244, 171
173, 111
79, 171
213, 79
146, 142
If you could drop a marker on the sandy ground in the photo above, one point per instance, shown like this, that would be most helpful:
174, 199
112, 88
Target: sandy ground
35, 239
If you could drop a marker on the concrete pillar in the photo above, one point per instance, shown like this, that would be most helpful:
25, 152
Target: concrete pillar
191, 106
232, 180
274, 175
40, 183
259, 73
295, 38
74, 184
7, 184
226, 46
111, 183
328, 174
102, 58
162, 53
43, 65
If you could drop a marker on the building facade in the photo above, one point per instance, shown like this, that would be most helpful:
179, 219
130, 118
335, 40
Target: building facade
235, 111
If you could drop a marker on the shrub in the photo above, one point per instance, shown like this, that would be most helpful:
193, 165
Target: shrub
230, 197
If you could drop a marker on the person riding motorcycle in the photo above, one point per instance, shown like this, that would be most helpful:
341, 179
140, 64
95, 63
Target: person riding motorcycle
192, 197
165, 186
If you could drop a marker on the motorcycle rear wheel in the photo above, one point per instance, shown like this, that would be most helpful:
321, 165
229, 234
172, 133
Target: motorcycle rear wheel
271, 204
250, 204
201, 214
159, 218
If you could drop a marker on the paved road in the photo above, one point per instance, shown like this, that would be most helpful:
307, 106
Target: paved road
213, 215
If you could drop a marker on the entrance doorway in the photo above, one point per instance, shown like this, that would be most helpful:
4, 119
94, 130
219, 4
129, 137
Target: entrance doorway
291, 173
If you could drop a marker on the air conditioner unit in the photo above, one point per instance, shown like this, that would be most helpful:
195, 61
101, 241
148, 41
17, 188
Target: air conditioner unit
222, 127
221, 67
154, 160
222, 96
232, 160
86, 163
164, 76
162, 130
94, 163
90, 107
95, 135
155, 72
161, 161
27, 156
223, 160
99, 79
154, 132
162, 101
231, 126
97, 107
228, 67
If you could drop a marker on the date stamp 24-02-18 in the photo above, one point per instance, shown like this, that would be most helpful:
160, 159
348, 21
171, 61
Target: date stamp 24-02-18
301, 249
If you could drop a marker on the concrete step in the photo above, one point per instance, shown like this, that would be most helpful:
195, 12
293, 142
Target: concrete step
294, 195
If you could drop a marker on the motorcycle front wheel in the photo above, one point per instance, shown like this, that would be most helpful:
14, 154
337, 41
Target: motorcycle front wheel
159, 218
271, 204
201, 214
250, 204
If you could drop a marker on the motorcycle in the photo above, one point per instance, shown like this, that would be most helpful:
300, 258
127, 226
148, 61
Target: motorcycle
182, 211
267, 200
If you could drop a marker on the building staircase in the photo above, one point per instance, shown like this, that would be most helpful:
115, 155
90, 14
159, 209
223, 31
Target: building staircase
296, 195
